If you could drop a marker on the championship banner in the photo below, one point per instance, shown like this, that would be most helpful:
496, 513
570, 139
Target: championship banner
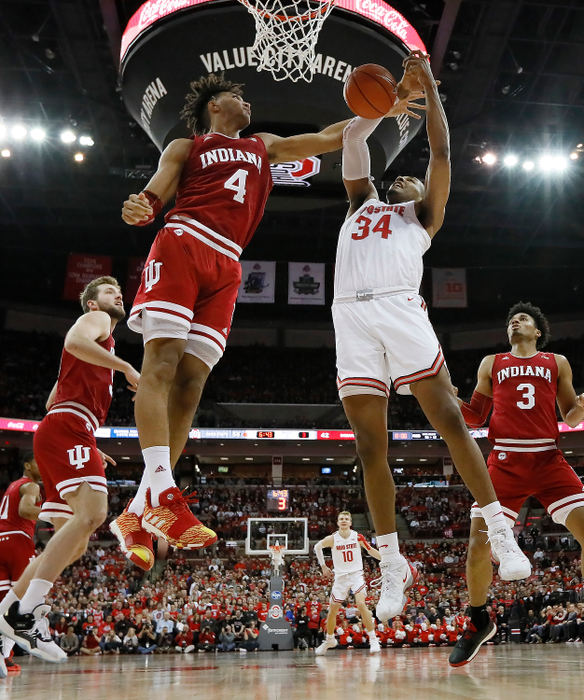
258, 282
135, 267
449, 287
81, 269
306, 283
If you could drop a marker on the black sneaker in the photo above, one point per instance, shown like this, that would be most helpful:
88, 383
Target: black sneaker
469, 644
31, 632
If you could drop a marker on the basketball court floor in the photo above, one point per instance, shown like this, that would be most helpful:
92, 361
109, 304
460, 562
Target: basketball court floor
512, 671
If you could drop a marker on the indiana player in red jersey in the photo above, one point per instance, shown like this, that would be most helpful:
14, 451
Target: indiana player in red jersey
522, 386
71, 466
345, 545
383, 334
19, 510
184, 307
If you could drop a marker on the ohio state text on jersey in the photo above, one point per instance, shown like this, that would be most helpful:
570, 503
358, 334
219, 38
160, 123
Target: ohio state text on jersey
380, 250
346, 552
84, 389
223, 189
524, 402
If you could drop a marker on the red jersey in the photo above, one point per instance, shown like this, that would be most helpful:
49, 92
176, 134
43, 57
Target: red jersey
10, 521
224, 185
82, 385
524, 400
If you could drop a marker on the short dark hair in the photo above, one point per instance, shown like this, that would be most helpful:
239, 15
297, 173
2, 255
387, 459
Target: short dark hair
92, 289
197, 98
27, 456
541, 322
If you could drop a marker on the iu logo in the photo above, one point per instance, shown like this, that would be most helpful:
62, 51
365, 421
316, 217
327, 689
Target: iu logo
78, 455
152, 274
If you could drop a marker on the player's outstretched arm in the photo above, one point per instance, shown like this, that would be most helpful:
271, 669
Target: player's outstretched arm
318, 547
284, 149
476, 412
83, 339
570, 404
141, 209
29, 495
437, 184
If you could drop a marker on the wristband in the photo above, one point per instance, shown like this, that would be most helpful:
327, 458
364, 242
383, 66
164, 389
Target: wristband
155, 202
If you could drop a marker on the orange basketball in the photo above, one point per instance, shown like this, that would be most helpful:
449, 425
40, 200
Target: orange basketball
370, 91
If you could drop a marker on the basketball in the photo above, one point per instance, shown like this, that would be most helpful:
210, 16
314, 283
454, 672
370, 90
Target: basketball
370, 91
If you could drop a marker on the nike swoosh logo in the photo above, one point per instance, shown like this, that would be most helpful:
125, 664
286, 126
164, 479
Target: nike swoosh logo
382, 546
405, 578
410, 298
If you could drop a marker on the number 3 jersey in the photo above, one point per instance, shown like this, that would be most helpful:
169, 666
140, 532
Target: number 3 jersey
380, 249
224, 185
524, 402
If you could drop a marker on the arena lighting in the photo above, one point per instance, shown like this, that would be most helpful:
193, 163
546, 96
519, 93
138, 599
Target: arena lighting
330, 459
249, 459
306, 459
552, 163
86, 140
18, 132
38, 134
5, 153
510, 160
399, 459
79, 157
574, 155
224, 459
528, 165
67, 136
489, 158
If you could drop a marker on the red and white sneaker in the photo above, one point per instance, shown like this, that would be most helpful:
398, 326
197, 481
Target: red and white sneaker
174, 522
396, 578
135, 541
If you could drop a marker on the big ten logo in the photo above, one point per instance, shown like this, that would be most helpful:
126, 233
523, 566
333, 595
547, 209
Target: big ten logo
151, 274
78, 456
276, 612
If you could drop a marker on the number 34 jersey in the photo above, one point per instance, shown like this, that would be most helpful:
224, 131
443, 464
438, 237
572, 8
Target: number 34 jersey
524, 398
380, 248
224, 185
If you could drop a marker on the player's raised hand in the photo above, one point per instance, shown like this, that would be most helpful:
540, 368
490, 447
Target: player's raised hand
418, 71
327, 571
136, 209
580, 400
407, 104
106, 459
133, 377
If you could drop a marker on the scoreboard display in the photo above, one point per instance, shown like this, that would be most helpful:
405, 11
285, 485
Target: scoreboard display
277, 500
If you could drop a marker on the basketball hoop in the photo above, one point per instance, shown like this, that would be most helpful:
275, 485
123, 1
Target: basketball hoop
286, 35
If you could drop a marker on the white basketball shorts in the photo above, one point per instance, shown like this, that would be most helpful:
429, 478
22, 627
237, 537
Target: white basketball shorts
383, 340
345, 583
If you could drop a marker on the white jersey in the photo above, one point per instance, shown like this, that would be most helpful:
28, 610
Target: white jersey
380, 251
346, 553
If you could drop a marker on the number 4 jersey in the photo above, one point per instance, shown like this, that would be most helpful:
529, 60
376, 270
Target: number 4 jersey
524, 402
380, 249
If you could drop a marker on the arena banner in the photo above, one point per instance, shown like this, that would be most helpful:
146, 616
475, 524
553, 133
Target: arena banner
258, 282
135, 267
306, 283
81, 269
449, 287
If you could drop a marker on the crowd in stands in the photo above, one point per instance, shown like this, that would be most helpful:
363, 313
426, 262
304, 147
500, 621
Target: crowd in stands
206, 603
435, 512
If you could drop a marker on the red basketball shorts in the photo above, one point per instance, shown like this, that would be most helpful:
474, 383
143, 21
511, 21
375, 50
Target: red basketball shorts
545, 475
65, 450
16, 550
188, 290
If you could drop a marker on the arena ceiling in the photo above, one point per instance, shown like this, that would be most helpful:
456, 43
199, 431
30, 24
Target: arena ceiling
512, 75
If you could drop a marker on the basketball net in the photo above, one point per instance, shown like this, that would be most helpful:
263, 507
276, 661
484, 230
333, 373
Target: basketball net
286, 35
277, 552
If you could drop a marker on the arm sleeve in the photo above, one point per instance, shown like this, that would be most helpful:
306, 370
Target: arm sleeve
366, 544
356, 159
319, 553
475, 413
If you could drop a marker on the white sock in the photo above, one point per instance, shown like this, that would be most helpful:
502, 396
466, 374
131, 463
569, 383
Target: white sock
388, 547
330, 636
35, 595
371, 634
7, 646
493, 515
157, 464
7, 601
136, 505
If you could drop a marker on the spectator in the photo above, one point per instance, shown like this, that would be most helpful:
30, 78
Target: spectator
130, 642
226, 639
147, 639
90, 644
70, 642
110, 643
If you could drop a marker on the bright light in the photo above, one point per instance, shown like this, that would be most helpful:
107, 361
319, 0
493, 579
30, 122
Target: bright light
37, 134
2, 130
510, 160
86, 140
67, 136
552, 163
18, 132
489, 158
574, 155
5, 153
79, 157
528, 165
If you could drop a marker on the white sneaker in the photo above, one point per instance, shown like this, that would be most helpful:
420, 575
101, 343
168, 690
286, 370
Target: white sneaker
31, 632
329, 643
513, 564
396, 578
3, 670
374, 645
